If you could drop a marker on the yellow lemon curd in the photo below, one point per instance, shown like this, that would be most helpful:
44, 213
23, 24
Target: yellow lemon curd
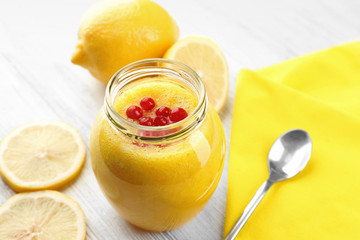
158, 187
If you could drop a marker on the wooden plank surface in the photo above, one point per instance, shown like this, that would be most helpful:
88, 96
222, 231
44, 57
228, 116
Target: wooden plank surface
38, 81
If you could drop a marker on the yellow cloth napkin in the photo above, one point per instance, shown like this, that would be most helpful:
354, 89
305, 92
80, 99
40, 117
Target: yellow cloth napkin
320, 93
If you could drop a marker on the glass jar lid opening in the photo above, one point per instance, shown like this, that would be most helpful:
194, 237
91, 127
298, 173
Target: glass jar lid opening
179, 74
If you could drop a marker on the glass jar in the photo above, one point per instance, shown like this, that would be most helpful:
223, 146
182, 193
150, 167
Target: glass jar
157, 178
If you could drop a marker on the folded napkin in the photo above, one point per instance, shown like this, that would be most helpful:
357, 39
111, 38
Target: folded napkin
319, 93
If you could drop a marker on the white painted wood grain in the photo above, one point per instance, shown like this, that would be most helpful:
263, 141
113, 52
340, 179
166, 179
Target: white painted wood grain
38, 81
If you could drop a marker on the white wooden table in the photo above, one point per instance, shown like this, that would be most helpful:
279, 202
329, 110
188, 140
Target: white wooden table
38, 81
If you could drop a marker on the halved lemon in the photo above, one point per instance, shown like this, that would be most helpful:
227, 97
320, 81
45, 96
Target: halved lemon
41, 155
205, 57
41, 215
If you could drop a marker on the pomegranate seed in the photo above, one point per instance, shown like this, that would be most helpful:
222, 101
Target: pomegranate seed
147, 103
146, 121
161, 121
163, 111
177, 114
134, 112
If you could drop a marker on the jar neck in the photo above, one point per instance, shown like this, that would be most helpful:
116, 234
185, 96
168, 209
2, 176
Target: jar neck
174, 72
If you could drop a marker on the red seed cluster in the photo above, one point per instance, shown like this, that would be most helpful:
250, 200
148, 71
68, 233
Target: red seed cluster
164, 115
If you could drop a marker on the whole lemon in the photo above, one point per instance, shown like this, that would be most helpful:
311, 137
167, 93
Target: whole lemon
114, 33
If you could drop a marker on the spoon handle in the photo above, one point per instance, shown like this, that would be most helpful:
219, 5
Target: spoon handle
259, 195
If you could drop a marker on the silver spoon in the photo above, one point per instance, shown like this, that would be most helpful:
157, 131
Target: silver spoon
288, 155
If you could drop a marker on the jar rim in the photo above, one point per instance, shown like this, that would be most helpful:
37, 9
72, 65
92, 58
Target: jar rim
130, 128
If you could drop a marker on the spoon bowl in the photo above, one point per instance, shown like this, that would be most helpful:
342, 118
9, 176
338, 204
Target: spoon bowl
288, 156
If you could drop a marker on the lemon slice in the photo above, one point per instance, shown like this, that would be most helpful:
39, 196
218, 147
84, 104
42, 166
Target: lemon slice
41, 155
205, 57
41, 215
